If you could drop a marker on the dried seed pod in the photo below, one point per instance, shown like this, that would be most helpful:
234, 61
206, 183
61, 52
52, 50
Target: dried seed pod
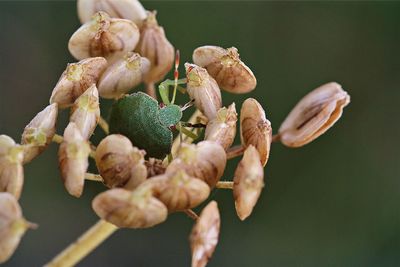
205, 160
123, 75
11, 168
119, 163
225, 66
130, 209
104, 36
204, 235
123, 9
155, 46
248, 182
179, 191
313, 115
73, 159
76, 79
204, 90
255, 129
222, 129
39, 132
12, 225
85, 112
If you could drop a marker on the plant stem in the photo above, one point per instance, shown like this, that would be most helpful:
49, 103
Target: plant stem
85, 244
235, 151
224, 185
191, 214
276, 138
94, 177
57, 139
151, 91
104, 125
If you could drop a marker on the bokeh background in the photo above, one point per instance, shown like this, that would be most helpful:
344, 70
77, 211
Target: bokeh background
334, 202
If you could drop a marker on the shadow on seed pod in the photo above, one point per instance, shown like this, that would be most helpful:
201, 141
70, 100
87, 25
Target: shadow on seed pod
11, 168
103, 36
119, 163
225, 66
204, 90
255, 129
204, 235
73, 159
313, 115
76, 79
39, 133
248, 182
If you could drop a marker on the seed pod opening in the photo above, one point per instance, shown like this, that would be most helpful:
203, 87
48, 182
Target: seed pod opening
225, 66
255, 129
313, 115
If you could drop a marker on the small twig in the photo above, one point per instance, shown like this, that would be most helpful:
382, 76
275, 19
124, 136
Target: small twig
191, 214
104, 125
235, 151
93, 177
151, 91
58, 139
224, 185
276, 138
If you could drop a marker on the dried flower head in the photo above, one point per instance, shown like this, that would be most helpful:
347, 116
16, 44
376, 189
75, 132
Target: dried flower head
205, 160
73, 159
225, 66
255, 129
39, 132
123, 9
155, 46
123, 75
222, 129
76, 79
130, 209
248, 182
313, 115
85, 112
105, 37
119, 163
11, 168
204, 90
204, 235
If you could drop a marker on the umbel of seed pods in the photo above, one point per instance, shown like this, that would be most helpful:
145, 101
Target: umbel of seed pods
119, 46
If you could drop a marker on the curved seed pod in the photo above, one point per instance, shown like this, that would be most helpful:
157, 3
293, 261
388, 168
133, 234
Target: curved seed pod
255, 129
313, 115
76, 79
12, 225
130, 209
125, 74
225, 66
205, 161
222, 129
104, 36
179, 191
119, 163
39, 132
123, 9
155, 46
204, 90
73, 159
11, 168
204, 235
248, 182
85, 112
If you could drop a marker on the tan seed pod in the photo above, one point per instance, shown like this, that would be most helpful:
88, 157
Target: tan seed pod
11, 168
204, 90
248, 182
204, 235
255, 129
123, 9
222, 129
313, 115
85, 112
119, 163
130, 209
123, 75
73, 159
76, 79
225, 66
103, 36
12, 225
155, 46
205, 161
39, 133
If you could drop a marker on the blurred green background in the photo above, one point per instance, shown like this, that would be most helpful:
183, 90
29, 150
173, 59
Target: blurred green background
334, 202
